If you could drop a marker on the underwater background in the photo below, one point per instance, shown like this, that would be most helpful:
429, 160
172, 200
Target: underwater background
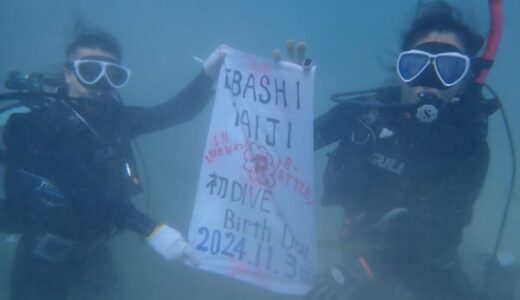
353, 43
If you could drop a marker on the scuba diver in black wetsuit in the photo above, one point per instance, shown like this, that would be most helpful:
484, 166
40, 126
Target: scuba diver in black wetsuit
409, 170
71, 172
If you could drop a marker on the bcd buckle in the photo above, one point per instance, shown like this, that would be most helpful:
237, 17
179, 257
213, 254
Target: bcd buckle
54, 248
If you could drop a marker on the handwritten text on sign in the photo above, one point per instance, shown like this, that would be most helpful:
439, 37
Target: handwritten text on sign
254, 212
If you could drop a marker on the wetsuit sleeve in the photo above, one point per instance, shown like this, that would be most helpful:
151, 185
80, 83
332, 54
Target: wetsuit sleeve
181, 108
128, 217
109, 205
442, 215
332, 126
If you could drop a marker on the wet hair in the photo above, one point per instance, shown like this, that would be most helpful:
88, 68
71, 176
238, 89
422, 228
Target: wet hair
95, 39
439, 16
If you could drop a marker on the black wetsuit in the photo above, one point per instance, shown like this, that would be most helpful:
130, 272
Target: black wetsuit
69, 181
387, 160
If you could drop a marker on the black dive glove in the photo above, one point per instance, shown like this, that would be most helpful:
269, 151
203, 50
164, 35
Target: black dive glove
341, 282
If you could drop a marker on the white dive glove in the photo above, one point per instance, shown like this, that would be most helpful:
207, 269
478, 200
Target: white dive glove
171, 245
213, 63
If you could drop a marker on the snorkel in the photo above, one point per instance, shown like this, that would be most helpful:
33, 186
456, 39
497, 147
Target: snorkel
493, 41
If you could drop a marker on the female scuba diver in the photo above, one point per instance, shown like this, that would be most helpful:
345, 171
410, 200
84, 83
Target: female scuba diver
408, 169
71, 172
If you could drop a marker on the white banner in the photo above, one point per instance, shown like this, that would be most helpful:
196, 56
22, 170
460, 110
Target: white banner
254, 215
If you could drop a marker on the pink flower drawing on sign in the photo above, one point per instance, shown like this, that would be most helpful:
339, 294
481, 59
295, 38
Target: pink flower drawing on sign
258, 164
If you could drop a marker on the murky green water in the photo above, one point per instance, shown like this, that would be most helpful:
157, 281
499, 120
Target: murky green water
350, 41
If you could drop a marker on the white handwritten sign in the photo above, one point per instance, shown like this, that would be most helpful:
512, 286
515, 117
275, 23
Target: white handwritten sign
254, 215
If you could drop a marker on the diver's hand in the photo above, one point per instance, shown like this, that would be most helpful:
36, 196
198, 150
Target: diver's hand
214, 61
341, 282
171, 245
295, 54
